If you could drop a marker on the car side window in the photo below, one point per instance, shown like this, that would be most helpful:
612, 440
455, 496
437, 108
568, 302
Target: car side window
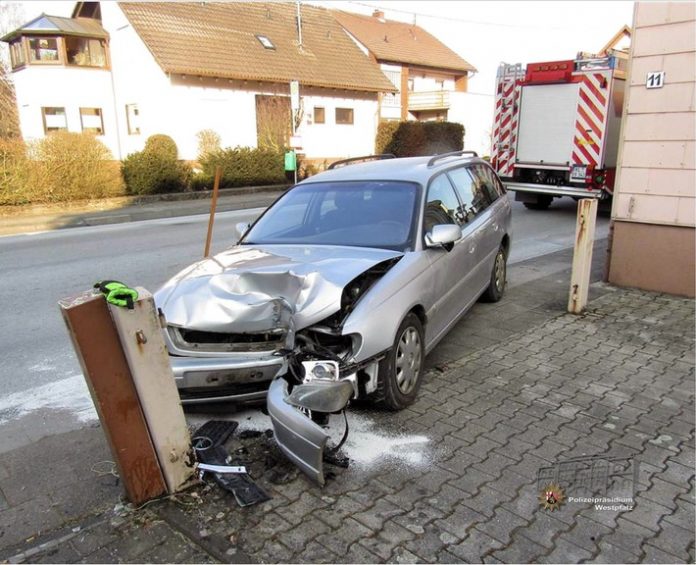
490, 184
471, 192
442, 206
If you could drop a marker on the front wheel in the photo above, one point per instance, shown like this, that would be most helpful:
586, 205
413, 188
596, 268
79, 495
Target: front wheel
496, 286
401, 370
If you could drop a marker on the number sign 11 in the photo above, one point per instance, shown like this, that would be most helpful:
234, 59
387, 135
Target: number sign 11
655, 79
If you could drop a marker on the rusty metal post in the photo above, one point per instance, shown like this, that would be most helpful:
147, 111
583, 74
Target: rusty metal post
582, 256
140, 332
213, 205
115, 397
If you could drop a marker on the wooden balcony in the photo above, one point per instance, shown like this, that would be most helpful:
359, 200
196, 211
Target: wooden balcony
429, 100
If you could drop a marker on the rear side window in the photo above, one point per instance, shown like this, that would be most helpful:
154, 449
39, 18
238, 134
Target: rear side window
442, 206
471, 192
489, 181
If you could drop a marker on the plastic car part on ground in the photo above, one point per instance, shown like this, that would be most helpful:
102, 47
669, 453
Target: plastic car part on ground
208, 444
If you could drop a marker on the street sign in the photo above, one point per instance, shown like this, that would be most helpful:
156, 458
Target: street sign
294, 95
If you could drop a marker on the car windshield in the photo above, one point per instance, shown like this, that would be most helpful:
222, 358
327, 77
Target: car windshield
356, 213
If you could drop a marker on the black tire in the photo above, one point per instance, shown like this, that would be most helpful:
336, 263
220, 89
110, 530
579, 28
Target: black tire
542, 203
496, 286
401, 371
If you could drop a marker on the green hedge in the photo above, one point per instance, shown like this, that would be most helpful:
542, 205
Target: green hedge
155, 169
412, 139
241, 166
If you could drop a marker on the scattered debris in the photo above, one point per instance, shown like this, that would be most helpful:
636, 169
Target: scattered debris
208, 444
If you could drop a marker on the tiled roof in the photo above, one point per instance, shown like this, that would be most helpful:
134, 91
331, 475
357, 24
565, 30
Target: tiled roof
220, 40
56, 25
398, 42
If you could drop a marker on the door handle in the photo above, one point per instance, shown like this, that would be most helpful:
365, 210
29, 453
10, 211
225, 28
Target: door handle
495, 227
472, 249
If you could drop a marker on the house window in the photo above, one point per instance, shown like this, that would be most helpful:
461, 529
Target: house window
267, 43
17, 54
54, 119
43, 50
319, 115
133, 119
85, 52
344, 116
92, 120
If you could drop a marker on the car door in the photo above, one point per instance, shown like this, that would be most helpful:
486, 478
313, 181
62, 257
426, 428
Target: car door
451, 270
479, 227
496, 214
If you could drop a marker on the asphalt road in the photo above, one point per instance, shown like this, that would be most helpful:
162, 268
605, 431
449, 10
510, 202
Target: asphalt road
42, 389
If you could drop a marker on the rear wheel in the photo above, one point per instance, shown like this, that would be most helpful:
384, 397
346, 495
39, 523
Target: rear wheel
496, 286
541, 203
400, 372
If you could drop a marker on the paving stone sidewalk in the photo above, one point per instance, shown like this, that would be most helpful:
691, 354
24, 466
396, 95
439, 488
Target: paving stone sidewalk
518, 386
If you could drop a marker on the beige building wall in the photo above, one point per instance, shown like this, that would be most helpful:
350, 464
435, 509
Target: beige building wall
655, 196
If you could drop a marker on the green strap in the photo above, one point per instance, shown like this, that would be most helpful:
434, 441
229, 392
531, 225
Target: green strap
117, 293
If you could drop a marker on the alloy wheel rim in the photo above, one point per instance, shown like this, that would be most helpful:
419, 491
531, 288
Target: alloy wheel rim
499, 271
408, 360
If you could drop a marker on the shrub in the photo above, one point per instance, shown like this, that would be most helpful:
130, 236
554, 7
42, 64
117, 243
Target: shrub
162, 145
208, 142
411, 139
155, 169
13, 171
70, 166
243, 166
148, 172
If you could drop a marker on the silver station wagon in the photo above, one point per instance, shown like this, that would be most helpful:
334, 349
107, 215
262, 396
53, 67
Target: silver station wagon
339, 291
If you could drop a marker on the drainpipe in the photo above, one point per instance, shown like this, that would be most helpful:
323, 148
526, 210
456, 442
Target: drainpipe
113, 96
299, 24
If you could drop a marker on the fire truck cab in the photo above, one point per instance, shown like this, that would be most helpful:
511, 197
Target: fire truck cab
556, 128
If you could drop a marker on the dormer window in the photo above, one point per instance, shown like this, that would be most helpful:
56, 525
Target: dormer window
267, 43
52, 40
17, 54
85, 52
44, 50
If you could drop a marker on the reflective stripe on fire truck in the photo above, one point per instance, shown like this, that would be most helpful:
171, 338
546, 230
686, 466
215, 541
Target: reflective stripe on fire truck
506, 118
591, 120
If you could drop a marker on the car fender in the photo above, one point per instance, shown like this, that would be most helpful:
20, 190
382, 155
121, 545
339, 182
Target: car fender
379, 313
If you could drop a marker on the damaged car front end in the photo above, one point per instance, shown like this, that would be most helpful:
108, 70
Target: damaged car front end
337, 292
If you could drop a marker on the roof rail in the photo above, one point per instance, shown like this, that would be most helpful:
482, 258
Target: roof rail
436, 158
364, 158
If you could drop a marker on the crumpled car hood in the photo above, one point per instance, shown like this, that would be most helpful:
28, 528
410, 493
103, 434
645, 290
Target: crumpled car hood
260, 288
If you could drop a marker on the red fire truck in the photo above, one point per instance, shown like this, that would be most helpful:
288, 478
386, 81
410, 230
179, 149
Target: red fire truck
556, 127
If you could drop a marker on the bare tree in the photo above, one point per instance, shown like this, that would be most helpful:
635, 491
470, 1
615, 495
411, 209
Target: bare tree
11, 16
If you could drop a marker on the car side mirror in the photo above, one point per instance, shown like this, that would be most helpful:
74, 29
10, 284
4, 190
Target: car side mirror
443, 235
241, 228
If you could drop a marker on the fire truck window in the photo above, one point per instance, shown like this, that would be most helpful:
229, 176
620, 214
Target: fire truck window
442, 206
471, 192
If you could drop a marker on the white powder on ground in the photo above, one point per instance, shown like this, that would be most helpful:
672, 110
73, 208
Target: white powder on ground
69, 394
368, 443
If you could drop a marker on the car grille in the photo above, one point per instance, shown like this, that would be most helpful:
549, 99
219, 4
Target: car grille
196, 340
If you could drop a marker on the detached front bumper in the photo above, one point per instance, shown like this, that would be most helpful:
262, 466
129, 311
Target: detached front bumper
301, 440
298, 437
221, 379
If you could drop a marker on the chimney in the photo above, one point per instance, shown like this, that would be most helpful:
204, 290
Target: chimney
379, 14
